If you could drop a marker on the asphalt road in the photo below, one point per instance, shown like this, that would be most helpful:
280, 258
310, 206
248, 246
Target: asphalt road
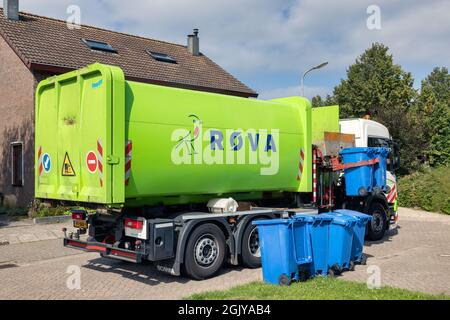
415, 257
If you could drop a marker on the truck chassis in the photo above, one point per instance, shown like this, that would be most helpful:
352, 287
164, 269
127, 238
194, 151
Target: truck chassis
195, 244
169, 242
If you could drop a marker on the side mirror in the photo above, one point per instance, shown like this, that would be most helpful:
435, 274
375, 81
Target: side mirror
397, 163
396, 157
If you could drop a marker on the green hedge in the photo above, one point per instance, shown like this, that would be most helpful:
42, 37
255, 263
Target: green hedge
428, 189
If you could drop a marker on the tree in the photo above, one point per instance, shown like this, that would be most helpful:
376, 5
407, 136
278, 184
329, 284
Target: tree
317, 101
380, 88
376, 86
433, 111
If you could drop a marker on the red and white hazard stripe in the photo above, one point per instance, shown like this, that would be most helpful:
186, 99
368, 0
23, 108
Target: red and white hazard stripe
41, 166
300, 164
100, 160
392, 194
314, 175
128, 149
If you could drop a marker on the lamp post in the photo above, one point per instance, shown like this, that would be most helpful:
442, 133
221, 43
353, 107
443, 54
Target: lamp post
309, 70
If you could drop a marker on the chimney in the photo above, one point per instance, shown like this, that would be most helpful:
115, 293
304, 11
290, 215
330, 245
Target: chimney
193, 43
11, 9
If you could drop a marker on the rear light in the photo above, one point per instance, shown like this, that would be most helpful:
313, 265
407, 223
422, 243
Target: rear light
78, 215
134, 224
136, 228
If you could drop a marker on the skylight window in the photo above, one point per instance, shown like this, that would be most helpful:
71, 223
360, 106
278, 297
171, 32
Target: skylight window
99, 46
162, 57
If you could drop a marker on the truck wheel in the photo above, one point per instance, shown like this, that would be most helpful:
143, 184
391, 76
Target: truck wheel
250, 247
205, 252
378, 225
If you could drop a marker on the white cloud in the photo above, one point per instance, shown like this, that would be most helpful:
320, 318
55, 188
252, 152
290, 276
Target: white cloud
248, 37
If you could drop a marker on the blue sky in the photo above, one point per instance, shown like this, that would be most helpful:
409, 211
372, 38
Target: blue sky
267, 44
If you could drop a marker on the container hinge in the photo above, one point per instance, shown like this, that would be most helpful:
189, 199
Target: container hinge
112, 160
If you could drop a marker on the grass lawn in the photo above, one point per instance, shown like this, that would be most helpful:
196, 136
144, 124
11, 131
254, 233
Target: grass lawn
317, 288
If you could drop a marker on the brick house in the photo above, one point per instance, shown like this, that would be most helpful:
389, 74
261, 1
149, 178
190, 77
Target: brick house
34, 47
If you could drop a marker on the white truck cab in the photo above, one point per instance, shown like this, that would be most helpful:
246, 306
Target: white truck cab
369, 133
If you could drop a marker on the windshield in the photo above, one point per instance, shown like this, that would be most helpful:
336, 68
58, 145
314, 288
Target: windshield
393, 162
374, 142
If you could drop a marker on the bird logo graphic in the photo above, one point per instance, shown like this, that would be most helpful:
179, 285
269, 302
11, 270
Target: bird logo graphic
194, 134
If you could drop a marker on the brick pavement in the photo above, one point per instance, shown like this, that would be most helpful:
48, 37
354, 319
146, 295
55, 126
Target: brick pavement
416, 257
26, 231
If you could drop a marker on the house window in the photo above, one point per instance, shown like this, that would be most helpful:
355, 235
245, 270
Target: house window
17, 164
99, 46
161, 57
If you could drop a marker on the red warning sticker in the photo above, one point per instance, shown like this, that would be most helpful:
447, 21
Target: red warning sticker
91, 161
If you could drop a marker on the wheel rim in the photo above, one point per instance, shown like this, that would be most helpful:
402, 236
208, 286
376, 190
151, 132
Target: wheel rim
253, 243
377, 221
206, 250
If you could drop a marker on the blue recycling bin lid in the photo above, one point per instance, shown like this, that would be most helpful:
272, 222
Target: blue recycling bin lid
323, 217
304, 217
354, 213
270, 222
359, 215
318, 218
357, 150
382, 151
343, 220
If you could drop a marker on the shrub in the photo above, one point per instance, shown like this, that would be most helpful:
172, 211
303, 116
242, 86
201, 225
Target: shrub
428, 189
43, 209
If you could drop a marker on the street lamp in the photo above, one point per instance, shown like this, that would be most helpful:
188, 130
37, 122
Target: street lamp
309, 70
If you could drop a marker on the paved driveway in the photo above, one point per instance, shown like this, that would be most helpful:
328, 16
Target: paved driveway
416, 257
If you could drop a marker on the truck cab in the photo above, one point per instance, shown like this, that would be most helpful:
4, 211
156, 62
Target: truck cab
369, 133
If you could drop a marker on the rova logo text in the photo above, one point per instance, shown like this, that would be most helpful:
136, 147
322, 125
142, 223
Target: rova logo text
226, 147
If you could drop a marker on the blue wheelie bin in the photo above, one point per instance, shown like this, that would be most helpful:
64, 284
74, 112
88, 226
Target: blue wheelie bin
358, 234
340, 241
319, 233
358, 180
380, 167
284, 247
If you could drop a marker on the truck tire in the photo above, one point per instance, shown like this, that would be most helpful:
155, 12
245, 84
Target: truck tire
205, 252
250, 249
378, 225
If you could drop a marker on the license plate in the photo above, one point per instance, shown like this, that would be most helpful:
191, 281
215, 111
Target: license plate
132, 232
82, 224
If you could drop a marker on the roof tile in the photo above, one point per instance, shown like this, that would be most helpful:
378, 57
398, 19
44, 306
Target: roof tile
47, 41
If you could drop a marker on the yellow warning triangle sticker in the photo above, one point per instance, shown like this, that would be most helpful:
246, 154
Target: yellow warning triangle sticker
67, 169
